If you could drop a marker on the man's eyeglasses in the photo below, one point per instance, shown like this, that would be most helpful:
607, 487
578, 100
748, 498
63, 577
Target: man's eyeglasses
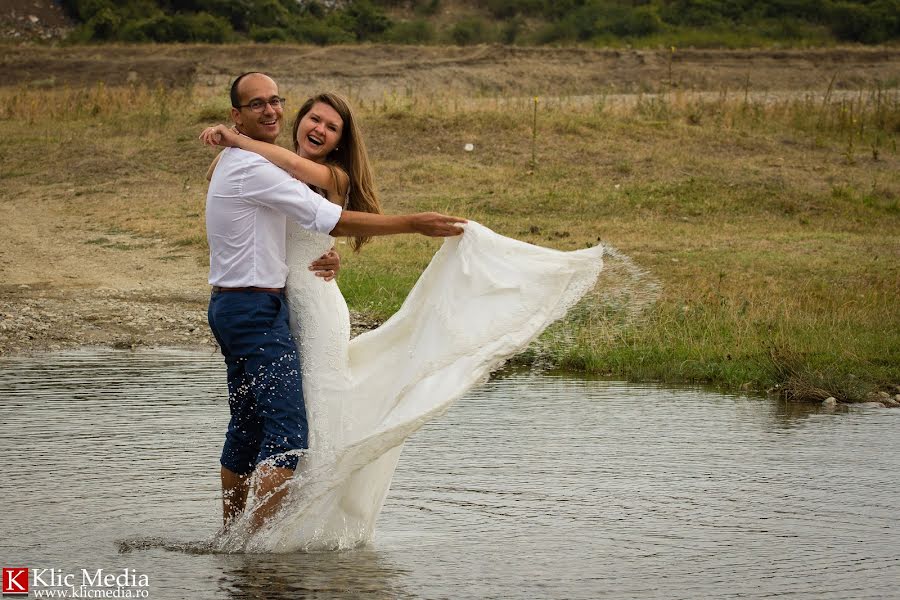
258, 106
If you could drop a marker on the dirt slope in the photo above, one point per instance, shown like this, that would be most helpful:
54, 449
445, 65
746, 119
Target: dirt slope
370, 71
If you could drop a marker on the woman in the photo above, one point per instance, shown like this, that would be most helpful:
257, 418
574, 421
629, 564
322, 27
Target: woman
483, 298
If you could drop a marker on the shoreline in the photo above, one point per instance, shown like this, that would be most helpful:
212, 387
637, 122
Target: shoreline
48, 319
135, 320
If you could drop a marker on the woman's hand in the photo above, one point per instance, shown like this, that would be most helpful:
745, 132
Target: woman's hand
219, 135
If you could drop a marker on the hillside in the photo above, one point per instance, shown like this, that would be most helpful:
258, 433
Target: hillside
650, 23
373, 72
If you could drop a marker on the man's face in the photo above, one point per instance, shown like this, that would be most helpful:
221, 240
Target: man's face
266, 124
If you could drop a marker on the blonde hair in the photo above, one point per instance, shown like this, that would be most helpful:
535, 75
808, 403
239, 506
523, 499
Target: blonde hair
349, 155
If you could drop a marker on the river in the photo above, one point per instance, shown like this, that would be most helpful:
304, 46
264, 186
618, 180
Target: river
534, 485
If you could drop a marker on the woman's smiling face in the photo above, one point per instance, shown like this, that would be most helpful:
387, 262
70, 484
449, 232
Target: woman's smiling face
319, 132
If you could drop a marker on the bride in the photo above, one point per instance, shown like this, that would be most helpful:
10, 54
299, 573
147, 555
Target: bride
482, 299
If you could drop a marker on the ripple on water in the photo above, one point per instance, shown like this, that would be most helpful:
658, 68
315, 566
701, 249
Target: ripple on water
531, 486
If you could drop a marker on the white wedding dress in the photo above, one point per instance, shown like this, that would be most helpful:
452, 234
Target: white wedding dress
481, 300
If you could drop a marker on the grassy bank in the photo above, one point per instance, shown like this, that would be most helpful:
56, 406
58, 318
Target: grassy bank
765, 226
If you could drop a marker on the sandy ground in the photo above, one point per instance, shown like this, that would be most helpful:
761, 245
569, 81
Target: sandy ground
60, 291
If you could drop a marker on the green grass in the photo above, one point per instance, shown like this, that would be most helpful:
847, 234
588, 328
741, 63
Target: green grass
764, 231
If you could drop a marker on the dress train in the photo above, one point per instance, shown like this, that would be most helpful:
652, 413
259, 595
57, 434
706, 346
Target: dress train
482, 299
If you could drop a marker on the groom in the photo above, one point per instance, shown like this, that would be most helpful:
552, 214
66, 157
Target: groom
247, 205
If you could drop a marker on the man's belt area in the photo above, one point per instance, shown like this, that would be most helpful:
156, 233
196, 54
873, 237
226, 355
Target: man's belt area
216, 289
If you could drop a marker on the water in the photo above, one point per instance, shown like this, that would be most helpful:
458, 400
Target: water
533, 486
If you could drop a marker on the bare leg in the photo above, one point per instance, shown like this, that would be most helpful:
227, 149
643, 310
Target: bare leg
234, 494
270, 491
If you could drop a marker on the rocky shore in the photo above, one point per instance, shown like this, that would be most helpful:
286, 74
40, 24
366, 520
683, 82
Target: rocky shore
35, 319
56, 319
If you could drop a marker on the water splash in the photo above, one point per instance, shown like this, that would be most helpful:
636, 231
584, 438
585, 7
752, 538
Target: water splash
619, 299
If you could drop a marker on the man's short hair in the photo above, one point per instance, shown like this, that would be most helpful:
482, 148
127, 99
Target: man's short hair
235, 97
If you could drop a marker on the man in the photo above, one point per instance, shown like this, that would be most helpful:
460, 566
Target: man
247, 205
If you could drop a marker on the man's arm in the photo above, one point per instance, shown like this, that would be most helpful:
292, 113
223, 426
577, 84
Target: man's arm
368, 224
270, 186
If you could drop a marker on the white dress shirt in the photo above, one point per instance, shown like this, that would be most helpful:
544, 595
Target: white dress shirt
247, 205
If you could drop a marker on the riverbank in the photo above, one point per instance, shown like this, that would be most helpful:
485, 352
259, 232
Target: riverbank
761, 220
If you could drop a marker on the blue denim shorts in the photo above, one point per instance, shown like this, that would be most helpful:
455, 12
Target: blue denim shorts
265, 395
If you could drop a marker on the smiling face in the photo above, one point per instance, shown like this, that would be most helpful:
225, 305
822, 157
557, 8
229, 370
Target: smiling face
319, 132
265, 125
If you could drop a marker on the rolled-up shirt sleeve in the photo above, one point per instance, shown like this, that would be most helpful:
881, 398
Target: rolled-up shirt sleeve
273, 187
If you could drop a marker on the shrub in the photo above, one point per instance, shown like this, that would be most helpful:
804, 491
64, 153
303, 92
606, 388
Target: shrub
871, 24
86, 9
504, 9
198, 27
470, 30
418, 31
365, 20
201, 27
269, 34
318, 31
511, 29
694, 13
103, 25
556, 32
157, 28
642, 21
426, 8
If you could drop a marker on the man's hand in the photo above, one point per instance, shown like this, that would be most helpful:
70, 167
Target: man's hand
327, 265
219, 135
436, 225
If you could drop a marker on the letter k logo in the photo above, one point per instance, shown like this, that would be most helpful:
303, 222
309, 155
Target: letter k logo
15, 581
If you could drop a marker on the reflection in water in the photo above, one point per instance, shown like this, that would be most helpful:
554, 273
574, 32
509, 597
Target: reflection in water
353, 574
532, 486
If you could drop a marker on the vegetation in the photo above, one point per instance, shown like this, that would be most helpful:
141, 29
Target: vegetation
728, 23
765, 227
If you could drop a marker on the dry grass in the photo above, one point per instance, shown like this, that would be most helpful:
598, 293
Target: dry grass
768, 221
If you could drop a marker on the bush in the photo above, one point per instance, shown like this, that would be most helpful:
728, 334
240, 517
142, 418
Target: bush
607, 21
365, 20
418, 31
584, 21
321, 32
694, 13
269, 34
639, 22
511, 29
556, 32
470, 30
504, 9
201, 27
856, 23
807, 10
154, 29
871, 24
104, 24
198, 27
426, 8
86, 9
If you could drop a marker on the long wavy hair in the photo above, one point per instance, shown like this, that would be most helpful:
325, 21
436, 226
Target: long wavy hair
350, 155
